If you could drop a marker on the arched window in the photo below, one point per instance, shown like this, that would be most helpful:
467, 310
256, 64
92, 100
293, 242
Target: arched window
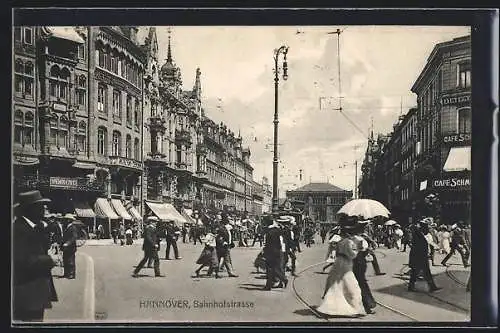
102, 97
102, 140
116, 147
58, 82
18, 126
464, 120
128, 147
19, 80
63, 139
137, 115
81, 137
129, 110
23, 79
81, 90
137, 149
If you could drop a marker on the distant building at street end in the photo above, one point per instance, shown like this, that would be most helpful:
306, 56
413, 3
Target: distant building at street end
322, 200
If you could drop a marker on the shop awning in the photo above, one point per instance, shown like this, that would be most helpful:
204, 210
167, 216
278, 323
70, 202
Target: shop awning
24, 160
120, 209
103, 209
458, 159
82, 209
84, 166
67, 33
165, 212
186, 213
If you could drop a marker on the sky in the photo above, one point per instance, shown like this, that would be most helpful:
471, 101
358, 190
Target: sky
378, 66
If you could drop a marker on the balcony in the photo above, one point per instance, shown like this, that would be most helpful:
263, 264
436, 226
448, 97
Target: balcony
183, 136
201, 149
125, 163
157, 123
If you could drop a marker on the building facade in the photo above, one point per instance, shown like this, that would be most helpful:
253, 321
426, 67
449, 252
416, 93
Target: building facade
322, 200
77, 107
433, 140
190, 161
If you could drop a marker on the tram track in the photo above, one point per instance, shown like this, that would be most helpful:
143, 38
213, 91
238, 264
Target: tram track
319, 315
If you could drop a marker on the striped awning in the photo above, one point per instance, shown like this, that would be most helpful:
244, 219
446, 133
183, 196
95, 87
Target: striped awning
166, 212
25, 160
120, 209
67, 33
103, 209
133, 211
84, 166
82, 209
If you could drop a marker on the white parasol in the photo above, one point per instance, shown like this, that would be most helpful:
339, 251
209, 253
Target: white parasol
390, 222
366, 208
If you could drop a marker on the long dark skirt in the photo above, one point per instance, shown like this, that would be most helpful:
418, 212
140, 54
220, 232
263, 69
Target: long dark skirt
208, 257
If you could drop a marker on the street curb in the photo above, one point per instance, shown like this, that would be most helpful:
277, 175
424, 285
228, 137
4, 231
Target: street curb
89, 290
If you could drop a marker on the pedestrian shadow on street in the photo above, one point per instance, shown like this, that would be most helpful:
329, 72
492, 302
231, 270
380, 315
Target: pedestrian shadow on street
452, 297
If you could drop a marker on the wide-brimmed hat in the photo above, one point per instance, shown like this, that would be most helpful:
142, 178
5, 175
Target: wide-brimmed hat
69, 216
29, 198
152, 219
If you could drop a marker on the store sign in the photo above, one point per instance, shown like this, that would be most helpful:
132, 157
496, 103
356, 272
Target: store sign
61, 182
457, 138
455, 100
59, 107
126, 162
451, 182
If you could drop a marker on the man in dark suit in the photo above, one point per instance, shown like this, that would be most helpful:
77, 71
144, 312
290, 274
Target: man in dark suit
274, 252
171, 234
150, 247
33, 286
224, 245
419, 256
290, 245
70, 236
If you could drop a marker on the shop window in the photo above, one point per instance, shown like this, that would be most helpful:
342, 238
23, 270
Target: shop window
464, 120
116, 147
464, 79
102, 141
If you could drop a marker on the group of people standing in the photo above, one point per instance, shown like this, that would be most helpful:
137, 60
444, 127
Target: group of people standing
38, 240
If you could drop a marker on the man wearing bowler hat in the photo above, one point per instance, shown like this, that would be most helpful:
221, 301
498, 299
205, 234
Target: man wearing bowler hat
69, 245
150, 247
33, 286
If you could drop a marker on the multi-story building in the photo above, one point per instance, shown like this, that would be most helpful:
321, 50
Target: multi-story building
433, 140
267, 196
322, 200
77, 106
443, 91
190, 161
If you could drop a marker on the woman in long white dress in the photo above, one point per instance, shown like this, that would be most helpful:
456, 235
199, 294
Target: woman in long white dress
342, 296
445, 240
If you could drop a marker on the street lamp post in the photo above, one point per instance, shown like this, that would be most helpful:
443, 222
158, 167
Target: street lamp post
282, 50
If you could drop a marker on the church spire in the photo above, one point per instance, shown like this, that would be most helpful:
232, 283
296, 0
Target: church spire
169, 51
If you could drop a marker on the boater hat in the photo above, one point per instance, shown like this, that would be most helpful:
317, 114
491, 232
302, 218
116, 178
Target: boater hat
26, 199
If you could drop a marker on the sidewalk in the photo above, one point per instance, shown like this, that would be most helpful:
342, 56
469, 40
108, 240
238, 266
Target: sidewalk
71, 306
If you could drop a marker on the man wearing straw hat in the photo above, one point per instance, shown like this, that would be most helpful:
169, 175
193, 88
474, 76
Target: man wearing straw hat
70, 236
33, 286
150, 247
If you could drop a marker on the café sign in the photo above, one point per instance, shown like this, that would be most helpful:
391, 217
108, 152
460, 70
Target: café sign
63, 182
455, 100
451, 182
457, 138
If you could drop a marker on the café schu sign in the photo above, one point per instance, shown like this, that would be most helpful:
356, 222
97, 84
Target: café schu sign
462, 138
451, 182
